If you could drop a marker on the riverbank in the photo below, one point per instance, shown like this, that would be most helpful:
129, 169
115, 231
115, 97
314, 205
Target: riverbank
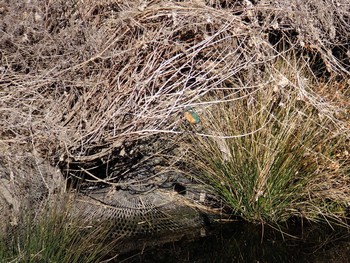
240, 108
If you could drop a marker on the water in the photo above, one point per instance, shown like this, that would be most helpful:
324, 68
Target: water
242, 242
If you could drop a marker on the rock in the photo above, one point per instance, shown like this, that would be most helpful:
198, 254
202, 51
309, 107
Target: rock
26, 180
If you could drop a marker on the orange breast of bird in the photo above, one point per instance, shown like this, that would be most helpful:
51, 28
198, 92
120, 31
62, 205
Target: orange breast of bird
191, 117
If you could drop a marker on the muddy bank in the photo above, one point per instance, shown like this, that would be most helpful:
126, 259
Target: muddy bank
28, 183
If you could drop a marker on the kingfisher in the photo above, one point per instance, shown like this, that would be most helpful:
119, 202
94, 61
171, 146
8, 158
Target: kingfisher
191, 116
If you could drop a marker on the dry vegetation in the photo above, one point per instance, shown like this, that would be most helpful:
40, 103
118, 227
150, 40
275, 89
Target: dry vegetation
84, 83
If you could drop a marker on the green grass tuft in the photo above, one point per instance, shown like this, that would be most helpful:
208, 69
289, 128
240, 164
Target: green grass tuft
56, 236
273, 153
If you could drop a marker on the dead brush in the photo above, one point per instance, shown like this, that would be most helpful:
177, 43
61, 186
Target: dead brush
82, 88
80, 80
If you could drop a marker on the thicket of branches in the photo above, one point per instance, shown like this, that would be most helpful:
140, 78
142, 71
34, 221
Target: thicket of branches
80, 80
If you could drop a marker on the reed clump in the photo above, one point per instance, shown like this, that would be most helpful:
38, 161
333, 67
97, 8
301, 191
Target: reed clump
54, 234
276, 150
